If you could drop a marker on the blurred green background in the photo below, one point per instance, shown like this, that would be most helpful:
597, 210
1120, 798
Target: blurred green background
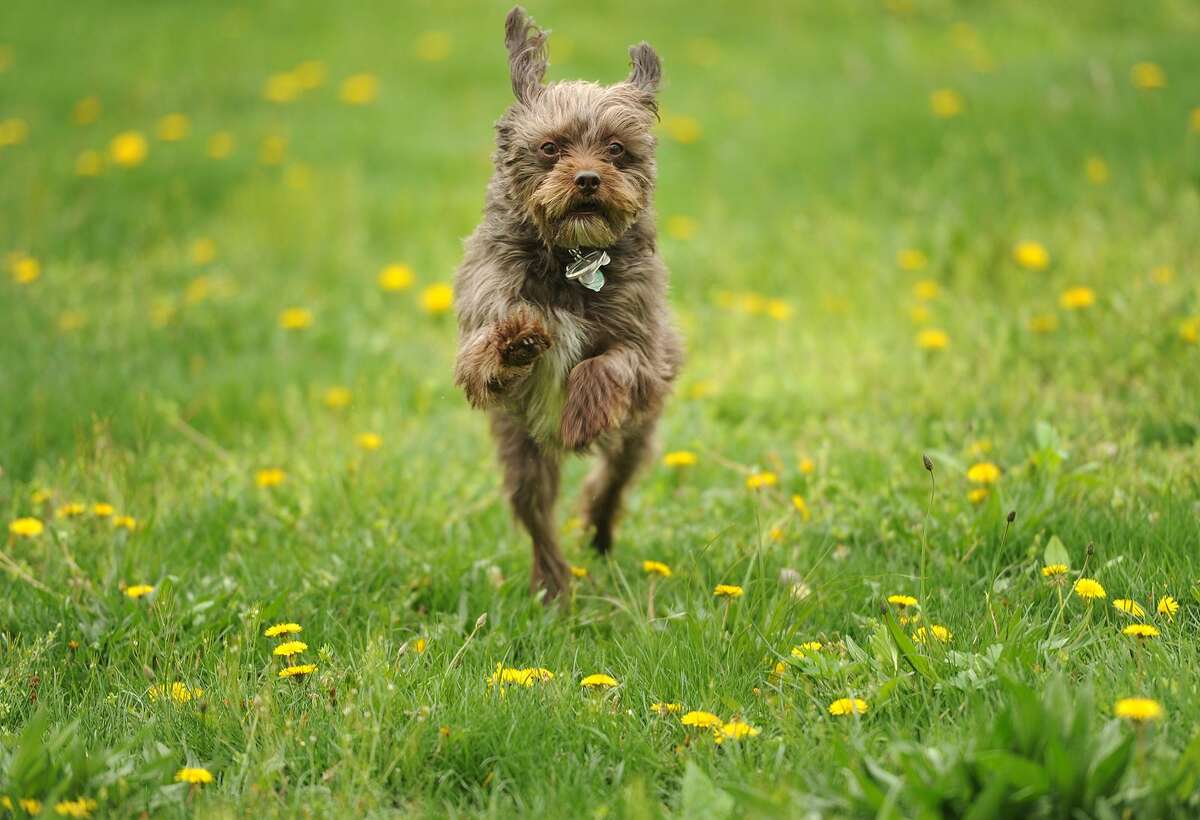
843, 190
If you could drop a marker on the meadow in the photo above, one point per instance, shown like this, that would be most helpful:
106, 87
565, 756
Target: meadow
937, 440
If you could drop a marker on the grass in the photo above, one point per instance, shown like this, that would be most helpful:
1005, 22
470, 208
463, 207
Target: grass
798, 158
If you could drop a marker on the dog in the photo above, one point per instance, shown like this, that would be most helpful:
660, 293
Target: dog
566, 338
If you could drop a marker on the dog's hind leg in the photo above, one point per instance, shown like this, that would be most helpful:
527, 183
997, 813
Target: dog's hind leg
531, 478
602, 491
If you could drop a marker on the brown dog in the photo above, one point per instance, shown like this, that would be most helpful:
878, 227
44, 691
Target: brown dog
562, 364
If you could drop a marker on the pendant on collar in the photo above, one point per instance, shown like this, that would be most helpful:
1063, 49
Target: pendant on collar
586, 268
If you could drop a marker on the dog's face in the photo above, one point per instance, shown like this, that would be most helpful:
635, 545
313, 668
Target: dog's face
576, 157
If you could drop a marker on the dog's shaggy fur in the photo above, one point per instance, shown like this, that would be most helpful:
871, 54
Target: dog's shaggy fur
560, 368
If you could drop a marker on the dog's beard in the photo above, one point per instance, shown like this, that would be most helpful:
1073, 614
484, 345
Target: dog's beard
570, 221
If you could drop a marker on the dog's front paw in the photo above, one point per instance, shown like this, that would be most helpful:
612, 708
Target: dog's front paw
596, 401
523, 347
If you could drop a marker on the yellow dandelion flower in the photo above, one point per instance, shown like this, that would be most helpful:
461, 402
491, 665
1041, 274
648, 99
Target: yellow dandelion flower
220, 145
395, 277
295, 318
89, 163
273, 149
103, 510
71, 320
680, 458
1148, 76
703, 720
779, 310
902, 601
125, 522
734, 730
360, 89
941, 633
270, 477
578, 571
933, 339
40, 496
728, 591
138, 590
807, 466
369, 441
1051, 570
420, 645
656, 568
1189, 329
984, 472
802, 507
195, 776
1167, 606
289, 648
310, 74
29, 805
919, 314
1077, 298
803, 650
298, 671
25, 270
760, 480
80, 807
72, 510
926, 290
1138, 709
911, 259
1043, 323
599, 681
681, 227
26, 527
282, 87
1129, 607
432, 46
283, 629
129, 148
702, 389
202, 251
1031, 255
666, 708
978, 495
1141, 631
682, 128
1096, 170
174, 127
848, 706
337, 397
13, 131
1089, 589
437, 299
86, 111
945, 103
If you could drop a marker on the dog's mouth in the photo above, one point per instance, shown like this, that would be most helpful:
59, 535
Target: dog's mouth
584, 209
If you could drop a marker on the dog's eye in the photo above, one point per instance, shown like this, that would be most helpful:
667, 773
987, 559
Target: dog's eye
615, 149
549, 149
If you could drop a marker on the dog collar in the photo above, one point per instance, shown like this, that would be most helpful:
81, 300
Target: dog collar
586, 268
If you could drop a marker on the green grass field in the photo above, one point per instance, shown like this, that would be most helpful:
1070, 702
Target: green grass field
963, 230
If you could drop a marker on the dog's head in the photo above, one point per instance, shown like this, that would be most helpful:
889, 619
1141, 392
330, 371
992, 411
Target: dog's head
577, 158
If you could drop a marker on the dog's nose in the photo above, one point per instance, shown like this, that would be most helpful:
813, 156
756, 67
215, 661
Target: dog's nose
587, 181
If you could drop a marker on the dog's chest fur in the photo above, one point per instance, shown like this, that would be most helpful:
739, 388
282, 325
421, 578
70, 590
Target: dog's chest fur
547, 387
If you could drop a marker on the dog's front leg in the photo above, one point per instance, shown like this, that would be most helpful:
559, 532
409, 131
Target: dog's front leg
599, 393
494, 359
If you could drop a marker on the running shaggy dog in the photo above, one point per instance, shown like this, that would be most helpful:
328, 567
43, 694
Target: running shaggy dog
566, 339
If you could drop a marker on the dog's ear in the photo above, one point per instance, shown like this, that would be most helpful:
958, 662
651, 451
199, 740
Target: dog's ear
646, 69
526, 54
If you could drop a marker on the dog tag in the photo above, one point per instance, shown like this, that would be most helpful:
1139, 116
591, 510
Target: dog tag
587, 269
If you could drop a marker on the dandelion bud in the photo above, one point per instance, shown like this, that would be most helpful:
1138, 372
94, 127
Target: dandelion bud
481, 620
1012, 516
927, 461
1091, 549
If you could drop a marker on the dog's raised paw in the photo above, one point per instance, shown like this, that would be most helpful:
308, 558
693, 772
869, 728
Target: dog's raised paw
524, 347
